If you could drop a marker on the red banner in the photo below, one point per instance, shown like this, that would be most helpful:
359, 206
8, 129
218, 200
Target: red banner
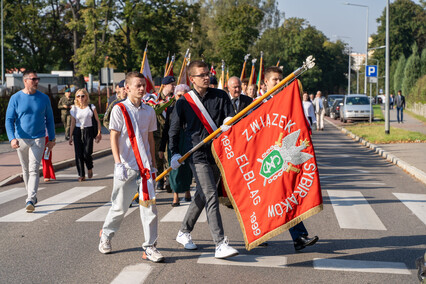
269, 169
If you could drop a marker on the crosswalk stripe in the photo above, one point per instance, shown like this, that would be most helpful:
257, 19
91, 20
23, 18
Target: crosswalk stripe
361, 266
70, 175
100, 213
52, 204
275, 261
14, 193
353, 211
415, 202
133, 274
177, 214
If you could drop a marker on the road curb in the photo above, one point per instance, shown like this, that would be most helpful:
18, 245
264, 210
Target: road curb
56, 166
418, 174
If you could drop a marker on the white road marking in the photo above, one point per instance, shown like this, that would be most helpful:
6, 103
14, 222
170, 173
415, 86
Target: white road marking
14, 193
353, 211
415, 202
177, 214
361, 266
245, 260
99, 214
362, 171
133, 274
52, 204
70, 176
110, 175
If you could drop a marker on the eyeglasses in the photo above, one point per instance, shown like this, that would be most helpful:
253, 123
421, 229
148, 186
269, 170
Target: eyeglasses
204, 75
80, 96
33, 79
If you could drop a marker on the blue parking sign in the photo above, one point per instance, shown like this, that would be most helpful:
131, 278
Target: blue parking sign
371, 70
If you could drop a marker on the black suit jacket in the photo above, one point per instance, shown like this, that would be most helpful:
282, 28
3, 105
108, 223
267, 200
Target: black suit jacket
244, 102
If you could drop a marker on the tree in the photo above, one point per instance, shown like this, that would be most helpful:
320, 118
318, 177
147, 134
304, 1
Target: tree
407, 25
411, 72
292, 42
237, 34
423, 62
399, 74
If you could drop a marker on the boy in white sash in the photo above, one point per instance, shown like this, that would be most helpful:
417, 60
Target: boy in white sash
129, 173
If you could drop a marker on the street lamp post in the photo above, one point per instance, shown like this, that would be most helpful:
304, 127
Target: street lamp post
387, 124
366, 45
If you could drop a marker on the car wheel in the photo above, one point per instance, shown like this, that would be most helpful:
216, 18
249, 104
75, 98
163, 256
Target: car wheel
341, 119
335, 117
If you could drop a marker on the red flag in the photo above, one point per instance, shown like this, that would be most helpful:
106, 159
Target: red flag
212, 71
269, 169
146, 71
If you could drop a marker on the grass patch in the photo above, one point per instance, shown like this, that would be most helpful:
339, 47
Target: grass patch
375, 133
378, 113
419, 117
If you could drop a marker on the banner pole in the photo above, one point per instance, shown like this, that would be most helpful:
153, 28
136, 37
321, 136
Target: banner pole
308, 64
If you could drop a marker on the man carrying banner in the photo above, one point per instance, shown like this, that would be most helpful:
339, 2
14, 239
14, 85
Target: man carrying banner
199, 112
132, 123
299, 234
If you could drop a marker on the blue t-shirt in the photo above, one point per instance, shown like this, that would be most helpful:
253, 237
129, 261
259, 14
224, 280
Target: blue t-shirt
28, 116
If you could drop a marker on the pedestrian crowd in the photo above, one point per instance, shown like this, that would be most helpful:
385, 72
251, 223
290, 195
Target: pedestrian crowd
148, 132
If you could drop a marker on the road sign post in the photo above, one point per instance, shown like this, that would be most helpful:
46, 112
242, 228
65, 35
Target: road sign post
371, 74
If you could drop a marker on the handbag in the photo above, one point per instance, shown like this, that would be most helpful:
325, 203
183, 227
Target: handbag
94, 124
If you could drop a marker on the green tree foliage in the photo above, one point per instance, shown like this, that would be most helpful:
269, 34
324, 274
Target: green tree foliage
407, 25
398, 76
35, 36
418, 92
411, 72
293, 42
423, 62
237, 34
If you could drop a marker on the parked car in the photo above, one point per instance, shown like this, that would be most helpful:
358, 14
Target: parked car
328, 102
355, 107
335, 109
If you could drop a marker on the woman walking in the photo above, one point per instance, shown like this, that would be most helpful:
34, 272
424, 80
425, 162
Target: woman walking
82, 132
180, 179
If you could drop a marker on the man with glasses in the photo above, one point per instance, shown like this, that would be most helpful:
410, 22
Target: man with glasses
28, 114
199, 112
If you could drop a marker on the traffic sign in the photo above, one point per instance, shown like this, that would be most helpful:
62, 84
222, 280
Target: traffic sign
371, 70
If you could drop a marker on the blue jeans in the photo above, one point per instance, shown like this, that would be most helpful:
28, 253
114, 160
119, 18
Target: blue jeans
398, 110
297, 231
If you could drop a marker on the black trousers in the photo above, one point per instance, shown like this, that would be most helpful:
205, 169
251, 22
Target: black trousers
83, 147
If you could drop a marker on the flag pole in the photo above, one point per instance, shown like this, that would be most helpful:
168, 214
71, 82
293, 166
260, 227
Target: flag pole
183, 65
308, 64
144, 57
253, 62
243, 72
278, 62
260, 70
167, 64
167, 73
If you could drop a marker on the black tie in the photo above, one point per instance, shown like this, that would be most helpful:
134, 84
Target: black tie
234, 104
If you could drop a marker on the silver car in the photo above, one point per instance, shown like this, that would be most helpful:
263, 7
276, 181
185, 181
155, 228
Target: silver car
355, 107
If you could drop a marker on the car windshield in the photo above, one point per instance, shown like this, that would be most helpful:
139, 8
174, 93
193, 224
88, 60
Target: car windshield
357, 101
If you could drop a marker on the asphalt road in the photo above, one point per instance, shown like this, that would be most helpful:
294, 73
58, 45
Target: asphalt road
371, 230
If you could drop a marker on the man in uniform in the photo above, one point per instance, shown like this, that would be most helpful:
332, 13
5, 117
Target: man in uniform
64, 105
121, 95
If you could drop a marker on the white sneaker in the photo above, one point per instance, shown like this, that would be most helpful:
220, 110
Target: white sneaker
105, 246
186, 240
223, 250
152, 253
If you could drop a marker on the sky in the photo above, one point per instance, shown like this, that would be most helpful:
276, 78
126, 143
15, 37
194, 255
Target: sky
337, 20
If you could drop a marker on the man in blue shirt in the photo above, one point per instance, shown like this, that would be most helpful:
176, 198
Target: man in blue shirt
29, 113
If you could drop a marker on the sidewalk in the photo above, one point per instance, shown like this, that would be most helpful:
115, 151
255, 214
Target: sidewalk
62, 157
411, 157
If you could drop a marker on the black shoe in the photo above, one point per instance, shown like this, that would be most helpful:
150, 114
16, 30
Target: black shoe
67, 138
168, 188
176, 204
304, 241
188, 199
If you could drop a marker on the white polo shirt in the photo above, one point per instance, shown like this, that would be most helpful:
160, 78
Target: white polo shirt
146, 122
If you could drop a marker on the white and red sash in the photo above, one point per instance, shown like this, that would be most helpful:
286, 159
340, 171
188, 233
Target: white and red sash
200, 111
146, 189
